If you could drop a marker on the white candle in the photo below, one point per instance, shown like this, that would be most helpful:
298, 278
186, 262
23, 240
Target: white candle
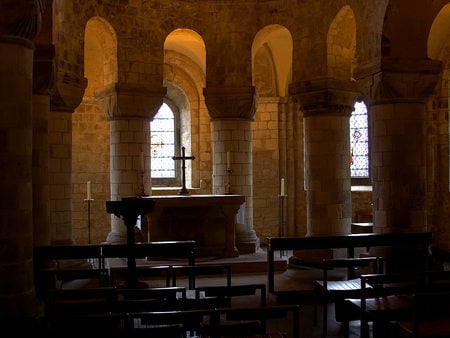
88, 190
142, 161
282, 187
228, 160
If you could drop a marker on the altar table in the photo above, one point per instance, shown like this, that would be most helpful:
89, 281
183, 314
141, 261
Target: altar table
210, 220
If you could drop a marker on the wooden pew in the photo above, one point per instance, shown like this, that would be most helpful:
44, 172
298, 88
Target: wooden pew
335, 291
218, 322
229, 296
184, 250
152, 250
195, 271
420, 240
385, 298
49, 266
70, 308
60, 263
430, 316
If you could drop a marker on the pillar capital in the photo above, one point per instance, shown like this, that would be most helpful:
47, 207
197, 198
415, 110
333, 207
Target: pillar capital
67, 92
398, 81
231, 102
325, 96
125, 101
20, 20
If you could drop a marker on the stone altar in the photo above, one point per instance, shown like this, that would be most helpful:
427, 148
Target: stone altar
210, 220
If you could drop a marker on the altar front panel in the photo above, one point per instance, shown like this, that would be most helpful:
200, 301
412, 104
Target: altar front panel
210, 220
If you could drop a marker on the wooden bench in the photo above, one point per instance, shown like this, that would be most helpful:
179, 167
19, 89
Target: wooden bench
219, 322
92, 261
195, 271
253, 321
430, 316
228, 296
420, 240
419, 243
74, 309
385, 298
177, 250
335, 291
61, 263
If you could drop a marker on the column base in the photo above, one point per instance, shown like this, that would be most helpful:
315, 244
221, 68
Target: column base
314, 258
247, 242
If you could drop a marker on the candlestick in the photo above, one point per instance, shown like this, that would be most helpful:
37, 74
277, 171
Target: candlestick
228, 160
282, 193
88, 190
283, 198
89, 200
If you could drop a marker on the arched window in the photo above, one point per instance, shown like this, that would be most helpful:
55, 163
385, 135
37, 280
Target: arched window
164, 144
359, 145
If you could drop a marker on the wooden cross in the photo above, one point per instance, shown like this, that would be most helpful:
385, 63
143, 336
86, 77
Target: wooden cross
183, 159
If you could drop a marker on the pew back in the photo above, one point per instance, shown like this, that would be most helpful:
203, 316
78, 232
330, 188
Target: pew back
92, 260
420, 240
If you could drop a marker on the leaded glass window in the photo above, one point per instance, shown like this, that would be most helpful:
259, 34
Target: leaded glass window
163, 147
359, 142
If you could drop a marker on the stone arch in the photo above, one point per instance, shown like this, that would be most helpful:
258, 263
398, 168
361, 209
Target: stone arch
341, 45
100, 55
184, 77
404, 36
272, 60
438, 48
91, 131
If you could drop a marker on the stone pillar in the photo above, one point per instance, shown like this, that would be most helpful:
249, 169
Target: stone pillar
19, 24
60, 176
66, 95
327, 105
41, 196
232, 110
129, 110
398, 91
42, 80
130, 175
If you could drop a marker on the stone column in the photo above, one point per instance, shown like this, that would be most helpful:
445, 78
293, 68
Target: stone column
398, 91
19, 24
129, 110
327, 105
41, 211
60, 176
66, 95
42, 81
232, 110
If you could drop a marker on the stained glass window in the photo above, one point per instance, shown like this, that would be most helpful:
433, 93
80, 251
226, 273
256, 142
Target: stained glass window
359, 142
162, 130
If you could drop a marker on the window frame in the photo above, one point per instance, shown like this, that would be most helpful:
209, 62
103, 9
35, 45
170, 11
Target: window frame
170, 181
362, 180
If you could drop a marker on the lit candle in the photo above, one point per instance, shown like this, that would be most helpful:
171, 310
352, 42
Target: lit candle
228, 160
142, 161
282, 187
88, 190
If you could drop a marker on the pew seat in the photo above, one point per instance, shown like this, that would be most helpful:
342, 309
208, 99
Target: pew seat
386, 298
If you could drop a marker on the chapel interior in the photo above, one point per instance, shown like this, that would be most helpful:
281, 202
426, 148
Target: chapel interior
261, 95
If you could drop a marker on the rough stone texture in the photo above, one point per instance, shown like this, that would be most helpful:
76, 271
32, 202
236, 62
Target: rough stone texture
131, 55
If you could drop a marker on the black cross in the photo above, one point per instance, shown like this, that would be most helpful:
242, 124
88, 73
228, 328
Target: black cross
183, 158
